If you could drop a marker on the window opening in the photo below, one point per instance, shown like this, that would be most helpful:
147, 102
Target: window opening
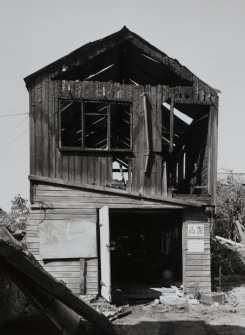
95, 125
120, 126
121, 173
71, 123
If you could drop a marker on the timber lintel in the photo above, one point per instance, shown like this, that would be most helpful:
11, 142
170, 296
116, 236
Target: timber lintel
163, 199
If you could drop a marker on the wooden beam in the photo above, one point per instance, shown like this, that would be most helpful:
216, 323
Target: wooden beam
186, 95
108, 190
83, 275
213, 153
171, 127
26, 266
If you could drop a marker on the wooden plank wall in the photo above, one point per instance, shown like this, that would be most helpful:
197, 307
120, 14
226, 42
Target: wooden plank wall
93, 167
67, 270
66, 203
196, 265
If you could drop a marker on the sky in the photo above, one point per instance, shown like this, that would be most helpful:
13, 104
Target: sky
204, 35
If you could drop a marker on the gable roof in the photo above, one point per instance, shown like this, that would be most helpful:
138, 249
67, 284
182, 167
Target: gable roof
91, 50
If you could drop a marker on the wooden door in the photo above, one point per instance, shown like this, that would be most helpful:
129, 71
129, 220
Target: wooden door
105, 253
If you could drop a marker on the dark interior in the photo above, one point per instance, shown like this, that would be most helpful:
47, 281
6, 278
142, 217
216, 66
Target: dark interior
146, 247
124, 63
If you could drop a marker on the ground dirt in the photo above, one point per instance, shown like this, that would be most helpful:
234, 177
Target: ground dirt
161, 319
184, 319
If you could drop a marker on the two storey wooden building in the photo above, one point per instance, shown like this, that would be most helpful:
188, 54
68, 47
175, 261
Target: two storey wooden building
123, 154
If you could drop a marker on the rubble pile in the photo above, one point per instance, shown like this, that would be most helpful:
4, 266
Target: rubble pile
236, 297
172, 298
112, 312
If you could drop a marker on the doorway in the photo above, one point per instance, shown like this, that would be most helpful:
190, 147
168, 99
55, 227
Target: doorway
144, 251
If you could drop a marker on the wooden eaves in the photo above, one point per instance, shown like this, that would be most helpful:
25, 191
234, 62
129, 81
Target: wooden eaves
109, 190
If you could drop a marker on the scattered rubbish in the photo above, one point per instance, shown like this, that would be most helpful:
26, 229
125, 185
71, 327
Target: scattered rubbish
110, 311
156, 302
193, 302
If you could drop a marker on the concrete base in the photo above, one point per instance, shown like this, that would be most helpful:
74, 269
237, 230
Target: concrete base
211, 298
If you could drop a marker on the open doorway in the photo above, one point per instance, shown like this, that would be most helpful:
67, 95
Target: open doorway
145, 250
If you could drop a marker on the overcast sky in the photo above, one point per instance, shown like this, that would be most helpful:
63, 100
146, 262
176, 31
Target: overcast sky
207, 36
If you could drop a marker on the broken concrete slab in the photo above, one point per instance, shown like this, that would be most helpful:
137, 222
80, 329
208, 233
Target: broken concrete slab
212, 298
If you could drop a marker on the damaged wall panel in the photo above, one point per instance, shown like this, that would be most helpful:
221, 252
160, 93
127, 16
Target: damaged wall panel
62, 239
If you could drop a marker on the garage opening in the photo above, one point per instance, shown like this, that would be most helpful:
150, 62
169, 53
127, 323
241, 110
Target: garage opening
145, 251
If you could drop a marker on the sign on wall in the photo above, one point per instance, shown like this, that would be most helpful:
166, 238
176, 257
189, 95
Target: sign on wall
195, 230
67, 239
195, 245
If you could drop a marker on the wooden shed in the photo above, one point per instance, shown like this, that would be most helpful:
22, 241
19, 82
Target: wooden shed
123, 160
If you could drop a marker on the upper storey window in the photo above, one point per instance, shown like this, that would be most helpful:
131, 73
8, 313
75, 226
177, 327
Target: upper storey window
93, 125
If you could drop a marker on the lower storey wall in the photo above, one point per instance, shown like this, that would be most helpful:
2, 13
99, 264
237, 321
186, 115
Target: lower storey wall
56, 203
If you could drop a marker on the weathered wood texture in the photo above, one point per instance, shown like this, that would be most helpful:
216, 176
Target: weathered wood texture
213, 152
95, 167
92, 167
65, 204
196, 265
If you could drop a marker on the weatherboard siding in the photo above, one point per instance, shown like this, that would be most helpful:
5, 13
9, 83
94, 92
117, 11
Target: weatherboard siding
95, 167
56, 203
196, 265
92, 167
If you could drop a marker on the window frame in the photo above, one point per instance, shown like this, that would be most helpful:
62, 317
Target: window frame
82, 148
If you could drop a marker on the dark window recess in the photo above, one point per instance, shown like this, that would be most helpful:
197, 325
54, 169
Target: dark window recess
95, 125
120, 126
71, 124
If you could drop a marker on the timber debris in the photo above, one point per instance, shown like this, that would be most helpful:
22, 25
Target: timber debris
50, 296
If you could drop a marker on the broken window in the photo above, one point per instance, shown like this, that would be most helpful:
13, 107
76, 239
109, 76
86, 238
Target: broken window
184, 141
70, 127
120, 126
121, 172
95, 125
95, 119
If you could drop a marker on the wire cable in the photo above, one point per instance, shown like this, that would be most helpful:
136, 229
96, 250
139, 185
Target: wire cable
13, 128
14, 140
10, 115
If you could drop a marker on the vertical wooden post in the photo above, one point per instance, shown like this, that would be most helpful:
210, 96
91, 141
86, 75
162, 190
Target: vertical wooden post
32, 192
82, 276
164, 180
129, 182
109, 126
171, 127
213, 153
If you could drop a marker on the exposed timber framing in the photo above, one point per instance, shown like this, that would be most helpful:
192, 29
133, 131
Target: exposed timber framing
213, 153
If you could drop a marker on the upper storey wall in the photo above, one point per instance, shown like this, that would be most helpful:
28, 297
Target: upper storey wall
189, 164
93, 167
